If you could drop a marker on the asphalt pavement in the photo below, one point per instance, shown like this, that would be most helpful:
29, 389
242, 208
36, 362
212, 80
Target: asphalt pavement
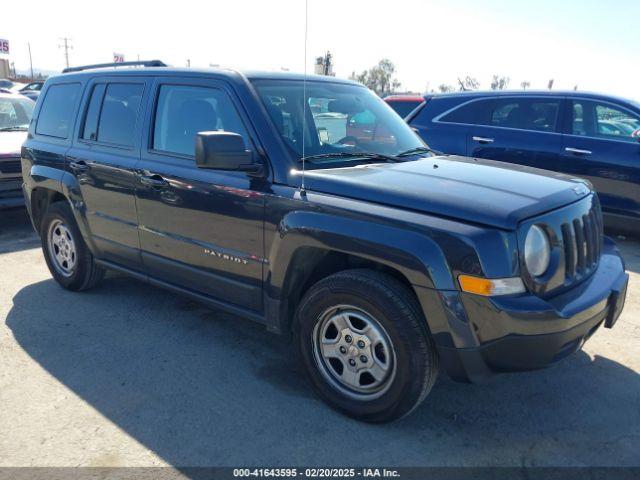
131, 375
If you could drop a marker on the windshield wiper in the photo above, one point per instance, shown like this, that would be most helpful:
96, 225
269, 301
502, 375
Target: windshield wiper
14, 129
354, 155
417, 150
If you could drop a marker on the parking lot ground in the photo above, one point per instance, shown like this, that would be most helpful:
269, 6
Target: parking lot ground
130, 375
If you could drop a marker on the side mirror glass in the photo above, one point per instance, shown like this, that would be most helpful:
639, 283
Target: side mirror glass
223, 151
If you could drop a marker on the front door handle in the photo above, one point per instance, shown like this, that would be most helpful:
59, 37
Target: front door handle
483, 140
153, 180
78, 166
577, 151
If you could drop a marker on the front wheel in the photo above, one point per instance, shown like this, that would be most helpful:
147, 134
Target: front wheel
68, 258
364, 342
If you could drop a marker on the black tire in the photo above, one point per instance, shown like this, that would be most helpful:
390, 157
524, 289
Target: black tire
396, 309
85, 274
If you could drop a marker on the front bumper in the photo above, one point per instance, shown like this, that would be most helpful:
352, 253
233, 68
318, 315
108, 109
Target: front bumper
525, 332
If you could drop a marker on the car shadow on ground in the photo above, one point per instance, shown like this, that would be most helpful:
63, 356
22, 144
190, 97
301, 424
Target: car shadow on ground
202, 388
16, 232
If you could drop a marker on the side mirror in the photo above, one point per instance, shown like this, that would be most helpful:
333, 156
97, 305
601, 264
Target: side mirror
223, 151
636, 134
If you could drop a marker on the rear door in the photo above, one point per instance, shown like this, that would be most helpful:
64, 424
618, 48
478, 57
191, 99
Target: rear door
103, 158
522, 129
599, 146
200, 229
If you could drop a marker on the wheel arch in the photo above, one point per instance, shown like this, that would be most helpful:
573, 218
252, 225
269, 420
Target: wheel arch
312, 246
41, 198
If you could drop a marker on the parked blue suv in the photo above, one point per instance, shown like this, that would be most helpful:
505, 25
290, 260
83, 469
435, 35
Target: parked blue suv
583, 134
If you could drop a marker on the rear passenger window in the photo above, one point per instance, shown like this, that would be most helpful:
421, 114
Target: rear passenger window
119, 113
526, 114
57, 113
183, 111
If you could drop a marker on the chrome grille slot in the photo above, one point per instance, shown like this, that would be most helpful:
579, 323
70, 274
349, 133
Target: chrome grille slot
588, 237
570, 250
579, 231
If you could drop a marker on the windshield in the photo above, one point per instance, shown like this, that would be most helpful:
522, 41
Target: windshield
15, 113
341, 120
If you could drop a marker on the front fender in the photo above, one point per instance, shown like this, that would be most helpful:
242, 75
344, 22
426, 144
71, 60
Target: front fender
414, 255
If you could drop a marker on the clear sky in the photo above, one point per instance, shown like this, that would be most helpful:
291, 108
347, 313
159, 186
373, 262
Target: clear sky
592, 44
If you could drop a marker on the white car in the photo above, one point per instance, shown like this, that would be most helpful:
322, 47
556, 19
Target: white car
15, 115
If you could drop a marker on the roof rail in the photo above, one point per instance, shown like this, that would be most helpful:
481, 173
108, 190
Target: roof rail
141, 63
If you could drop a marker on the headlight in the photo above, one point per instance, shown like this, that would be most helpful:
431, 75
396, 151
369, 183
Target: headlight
537, 251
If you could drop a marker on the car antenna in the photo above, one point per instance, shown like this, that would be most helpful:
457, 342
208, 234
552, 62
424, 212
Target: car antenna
303, 191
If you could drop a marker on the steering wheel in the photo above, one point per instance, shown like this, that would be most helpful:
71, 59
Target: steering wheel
349, 140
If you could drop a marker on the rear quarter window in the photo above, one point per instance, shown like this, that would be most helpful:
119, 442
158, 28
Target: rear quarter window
475, 112
58, 108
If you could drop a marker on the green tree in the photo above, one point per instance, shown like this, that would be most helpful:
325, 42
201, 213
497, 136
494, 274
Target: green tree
499, 82
379, 78
468, 83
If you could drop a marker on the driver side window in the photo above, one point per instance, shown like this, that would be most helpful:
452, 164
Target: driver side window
183, 111
603, 120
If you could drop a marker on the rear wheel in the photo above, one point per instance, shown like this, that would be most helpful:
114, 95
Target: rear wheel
68, 258
364, 342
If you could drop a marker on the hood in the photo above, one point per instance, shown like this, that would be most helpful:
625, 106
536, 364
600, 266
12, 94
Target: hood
475, 190
11, 142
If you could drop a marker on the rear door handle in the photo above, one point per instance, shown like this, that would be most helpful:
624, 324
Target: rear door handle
153, 180
483, 140
78, 166
577, 151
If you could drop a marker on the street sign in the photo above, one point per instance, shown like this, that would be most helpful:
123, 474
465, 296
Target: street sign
118, 58
4, 46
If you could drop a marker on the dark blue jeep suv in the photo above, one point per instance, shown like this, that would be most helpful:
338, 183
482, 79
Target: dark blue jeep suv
581, 134
308, 205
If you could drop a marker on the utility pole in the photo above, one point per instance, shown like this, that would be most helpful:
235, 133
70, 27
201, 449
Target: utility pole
188, 62
327, 64
30, 60
66, 44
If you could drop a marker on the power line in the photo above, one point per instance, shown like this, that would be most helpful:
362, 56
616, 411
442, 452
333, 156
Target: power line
66, 45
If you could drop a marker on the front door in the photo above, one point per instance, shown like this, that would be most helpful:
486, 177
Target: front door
599, 145
103, 158
200, 229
